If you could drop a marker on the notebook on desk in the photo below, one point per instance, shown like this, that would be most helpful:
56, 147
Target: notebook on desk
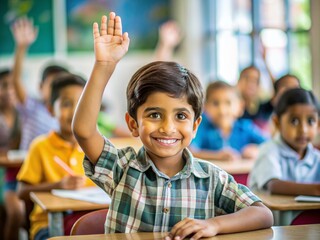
90, 194
303, 198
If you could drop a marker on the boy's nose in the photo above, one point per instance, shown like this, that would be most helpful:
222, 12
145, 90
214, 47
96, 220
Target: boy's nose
167, 126
303, 127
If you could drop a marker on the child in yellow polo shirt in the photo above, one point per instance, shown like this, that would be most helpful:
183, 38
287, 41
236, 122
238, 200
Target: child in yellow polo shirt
40, 171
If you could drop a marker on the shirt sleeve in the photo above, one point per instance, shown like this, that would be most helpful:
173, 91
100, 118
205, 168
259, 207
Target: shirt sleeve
256, 135
266, 167
31, 169
230, 196
110, 166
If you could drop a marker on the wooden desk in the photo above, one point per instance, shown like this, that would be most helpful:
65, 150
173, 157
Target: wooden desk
55, 206
300, 232
284, 207
239, 169
7, 163
126, 142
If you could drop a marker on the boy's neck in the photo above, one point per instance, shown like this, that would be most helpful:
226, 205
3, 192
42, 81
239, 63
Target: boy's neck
67, 137
168, 166
225, 130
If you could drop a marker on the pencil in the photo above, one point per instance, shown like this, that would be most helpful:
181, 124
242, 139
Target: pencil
63, 165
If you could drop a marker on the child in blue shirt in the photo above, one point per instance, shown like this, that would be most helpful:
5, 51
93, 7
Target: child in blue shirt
162, 188
289, 164
221, 135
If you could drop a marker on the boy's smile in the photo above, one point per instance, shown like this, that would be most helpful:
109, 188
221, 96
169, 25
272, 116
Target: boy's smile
166, 126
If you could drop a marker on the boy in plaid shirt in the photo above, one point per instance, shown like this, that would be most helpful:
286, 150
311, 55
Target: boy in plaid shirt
162, 187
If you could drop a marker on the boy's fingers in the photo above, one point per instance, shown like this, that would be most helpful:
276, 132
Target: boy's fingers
118, 26
96, 33
111, 23
103, 26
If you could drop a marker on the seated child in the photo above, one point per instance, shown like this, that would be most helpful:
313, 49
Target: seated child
162, 187
289, 164
40, 172
34, 115
221, 135
10, 129
265, 111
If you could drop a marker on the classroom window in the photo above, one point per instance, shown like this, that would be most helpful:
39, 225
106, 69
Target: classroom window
236, 29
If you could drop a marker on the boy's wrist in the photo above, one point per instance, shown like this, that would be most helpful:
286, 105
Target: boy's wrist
105, 64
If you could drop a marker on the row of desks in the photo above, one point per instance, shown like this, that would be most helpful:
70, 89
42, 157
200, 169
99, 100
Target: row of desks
305, 232
286, 206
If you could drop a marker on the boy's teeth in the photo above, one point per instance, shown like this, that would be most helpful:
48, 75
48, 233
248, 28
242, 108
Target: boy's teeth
167, 141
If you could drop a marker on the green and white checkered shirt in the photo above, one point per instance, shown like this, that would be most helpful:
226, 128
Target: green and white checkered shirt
146, 200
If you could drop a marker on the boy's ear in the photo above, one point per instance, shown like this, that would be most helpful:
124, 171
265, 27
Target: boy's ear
51, 110
196, 125
276, 121
132, 125
241, 107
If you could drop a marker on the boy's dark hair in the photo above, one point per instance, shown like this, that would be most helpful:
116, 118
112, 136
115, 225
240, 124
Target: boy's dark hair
4, 72
217, 85
251, 67
52, 69
295, 96
63, 80
278, 83
166, 77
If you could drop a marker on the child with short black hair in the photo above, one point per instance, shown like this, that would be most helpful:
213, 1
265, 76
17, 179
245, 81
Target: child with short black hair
40, 172
289, 164
162, 187
222, 135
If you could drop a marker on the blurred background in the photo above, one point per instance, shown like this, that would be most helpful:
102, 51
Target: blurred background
219, 38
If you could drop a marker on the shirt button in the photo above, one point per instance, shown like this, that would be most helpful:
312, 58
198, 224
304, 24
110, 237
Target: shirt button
166, 210
73, 162
169, 185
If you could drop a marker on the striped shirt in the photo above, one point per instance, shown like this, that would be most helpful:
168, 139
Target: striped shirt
36, 120
146, 200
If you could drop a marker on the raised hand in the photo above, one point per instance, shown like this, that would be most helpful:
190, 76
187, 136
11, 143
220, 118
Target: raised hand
170, 34
24, 32
110, 45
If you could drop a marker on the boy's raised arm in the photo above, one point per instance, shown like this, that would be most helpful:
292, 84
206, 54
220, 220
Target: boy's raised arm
24, 34
110, 45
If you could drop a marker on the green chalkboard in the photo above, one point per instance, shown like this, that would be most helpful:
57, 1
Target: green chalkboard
41, 11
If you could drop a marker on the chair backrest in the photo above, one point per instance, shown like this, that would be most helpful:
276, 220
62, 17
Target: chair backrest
90, 223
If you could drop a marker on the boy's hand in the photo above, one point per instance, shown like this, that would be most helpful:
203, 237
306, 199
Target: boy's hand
250, 151
72, 182
110, 45
229, 154
24, 32
196, 228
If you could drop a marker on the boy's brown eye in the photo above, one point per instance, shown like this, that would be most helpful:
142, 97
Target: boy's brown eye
155, 115
181, 116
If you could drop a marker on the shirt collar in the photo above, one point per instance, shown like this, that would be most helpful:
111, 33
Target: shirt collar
192, 166
59, 142
288, 152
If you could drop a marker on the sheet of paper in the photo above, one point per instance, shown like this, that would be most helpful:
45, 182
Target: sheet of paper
303, 198
90, 194
16, 155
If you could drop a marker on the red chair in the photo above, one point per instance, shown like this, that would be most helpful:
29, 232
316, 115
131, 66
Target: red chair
90, 223
307, 217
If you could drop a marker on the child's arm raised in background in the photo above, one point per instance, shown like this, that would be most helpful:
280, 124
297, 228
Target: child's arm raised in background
277, 186
110, 45
24, 34
169, 38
